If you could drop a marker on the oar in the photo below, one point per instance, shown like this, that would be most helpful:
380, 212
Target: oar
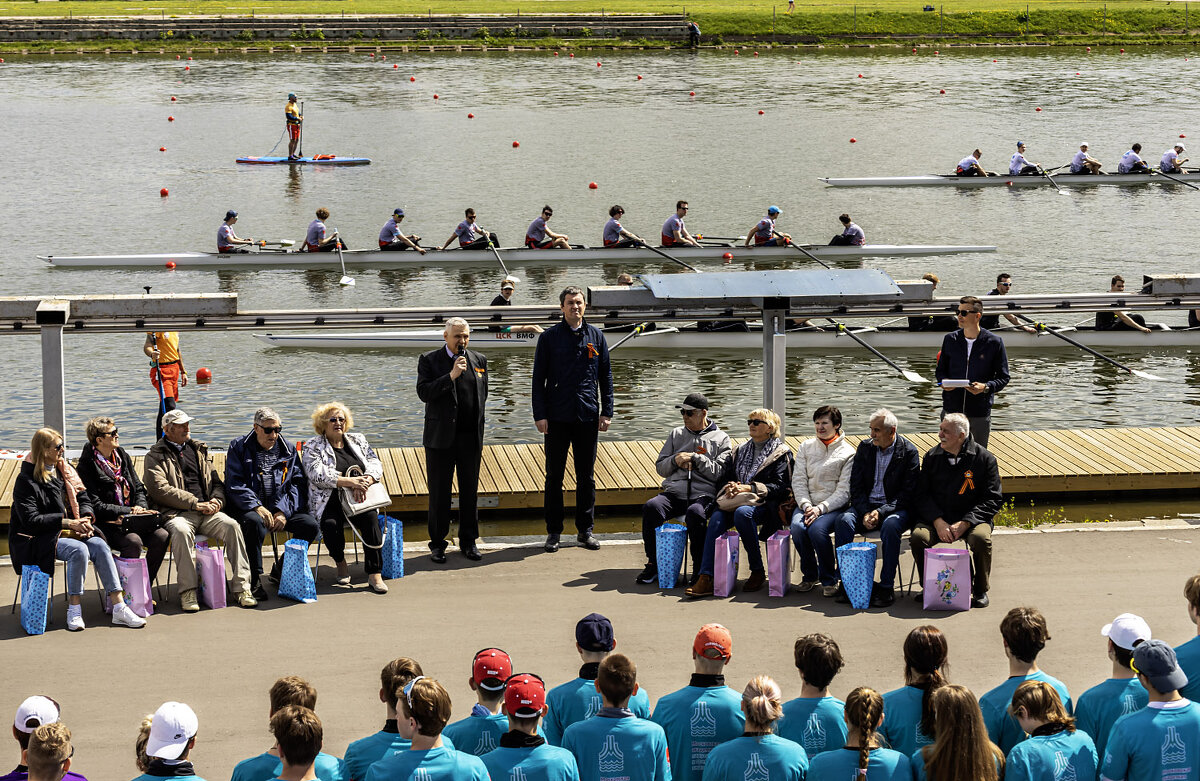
911, 376
280, 243
496, 252
657, 251
641, 327
1041, 327
706, 237
806, 252
346, 280
1050, 179
1177, 181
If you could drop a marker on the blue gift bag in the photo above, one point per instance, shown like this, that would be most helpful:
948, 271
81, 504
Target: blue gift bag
670, 540
295, 578
393, 547
856, 562
35, 599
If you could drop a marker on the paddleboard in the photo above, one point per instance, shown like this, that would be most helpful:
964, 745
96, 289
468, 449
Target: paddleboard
311, 160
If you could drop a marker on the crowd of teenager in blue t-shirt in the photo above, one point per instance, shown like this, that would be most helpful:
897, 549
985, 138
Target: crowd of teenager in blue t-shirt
1138, 725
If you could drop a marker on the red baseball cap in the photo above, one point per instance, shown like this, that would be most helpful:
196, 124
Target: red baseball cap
491, 668
525, 695
713, 641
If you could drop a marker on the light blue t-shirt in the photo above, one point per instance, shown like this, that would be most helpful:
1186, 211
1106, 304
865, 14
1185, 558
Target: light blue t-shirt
1062, 755
1188, 658
1100, 706
696, 719
917, 760
363, 753
578, 700
435, 764
883, 764
1155, 744
902, 720
818, 724
266, 766
611, 748
767, 757
477, 734
1002, 728
542, 763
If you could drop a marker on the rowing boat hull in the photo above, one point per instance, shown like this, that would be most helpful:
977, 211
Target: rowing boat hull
316, 160
1063, 180
894, 340
511, 256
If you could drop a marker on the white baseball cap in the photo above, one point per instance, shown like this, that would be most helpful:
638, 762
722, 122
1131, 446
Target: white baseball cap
174, 724
1126, 630
34, 712
176, 416
1179, 145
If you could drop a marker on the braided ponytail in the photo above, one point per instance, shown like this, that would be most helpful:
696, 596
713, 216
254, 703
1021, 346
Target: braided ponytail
864, 708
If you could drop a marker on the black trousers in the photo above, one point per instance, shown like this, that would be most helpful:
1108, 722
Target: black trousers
165, 405
367, 525
580, 438
840, 240
399, 246
135, 532
481, 243
440, 466
302, 526
664, 506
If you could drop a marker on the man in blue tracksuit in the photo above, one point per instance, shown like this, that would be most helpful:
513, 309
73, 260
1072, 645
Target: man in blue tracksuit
480, 732
977, 355
572, 403
523, 752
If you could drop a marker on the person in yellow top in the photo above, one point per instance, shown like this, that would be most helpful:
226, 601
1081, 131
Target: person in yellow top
294, 119
166, 371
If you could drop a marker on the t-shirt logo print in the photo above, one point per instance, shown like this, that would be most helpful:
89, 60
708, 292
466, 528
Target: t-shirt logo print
611, 758
1129, 704
487, 742
421, 774
518, 774
756, 770
1063, 769
704, 723
593, 706
814, 735
1174, 752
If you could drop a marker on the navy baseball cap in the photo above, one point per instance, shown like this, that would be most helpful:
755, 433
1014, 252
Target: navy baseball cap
1156, 660
230, 214
398, 212
594, 632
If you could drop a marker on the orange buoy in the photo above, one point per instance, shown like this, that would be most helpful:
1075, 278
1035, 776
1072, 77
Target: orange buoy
162, 149
164, 192
371, 55
593, 186
203, 375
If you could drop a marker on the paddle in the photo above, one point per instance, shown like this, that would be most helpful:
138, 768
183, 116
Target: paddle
162, 402
301, 149
346, 280
1177, 181
496, 252
1050, 179
657, 251
797, 247
1041, 327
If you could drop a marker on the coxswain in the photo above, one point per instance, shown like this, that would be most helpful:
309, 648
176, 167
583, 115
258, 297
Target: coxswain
316, 240
969, 166
294, 119
673, 230
508, 286
227, 240
470, 235
851, 234
1083, 163
1132, 162
538, 236
1019, 166
614, 234
1170, 163
764, 234
392, 240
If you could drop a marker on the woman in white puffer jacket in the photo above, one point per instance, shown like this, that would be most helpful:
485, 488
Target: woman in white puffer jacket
821, 486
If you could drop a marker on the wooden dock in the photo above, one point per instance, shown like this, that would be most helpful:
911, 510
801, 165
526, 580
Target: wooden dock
1031, 462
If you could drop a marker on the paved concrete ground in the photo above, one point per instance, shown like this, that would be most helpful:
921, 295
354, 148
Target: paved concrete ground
526, 601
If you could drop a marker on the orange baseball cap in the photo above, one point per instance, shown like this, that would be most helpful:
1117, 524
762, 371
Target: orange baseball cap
713, 641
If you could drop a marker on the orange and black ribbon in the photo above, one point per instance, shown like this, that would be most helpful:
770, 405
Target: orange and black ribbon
968, 482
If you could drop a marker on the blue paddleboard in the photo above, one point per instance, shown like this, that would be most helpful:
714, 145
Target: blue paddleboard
312, 160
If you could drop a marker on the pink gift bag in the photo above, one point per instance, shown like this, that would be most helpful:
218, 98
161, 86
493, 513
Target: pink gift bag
725, 563
210, 569
135, 582
779, 563
947, 581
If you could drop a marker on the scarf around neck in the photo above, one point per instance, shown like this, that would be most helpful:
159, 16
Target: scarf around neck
72, 485
746, 465
121, 485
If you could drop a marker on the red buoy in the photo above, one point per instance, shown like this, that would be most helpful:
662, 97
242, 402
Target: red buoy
189, 59
941, 92
760, 112
756, 54
164, 192
203, 375
1009, 184
639, 77
914, 50
470, 116
173, 98
572, 55
1181, 135
556, 54
170, 119
935, 51
516, 144
412, 78
395, 66
854, 141
1122, 51
860, 75
177, 56
1039, 108
727, 256
735, 51
593, 186
1089, 48
371, 55
383, 56
170, 264
435, 96
187, 67
162, 149
995, 60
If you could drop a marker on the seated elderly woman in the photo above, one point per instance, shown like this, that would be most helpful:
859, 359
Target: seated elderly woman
119, 497
328, 460
52, 518
754, 481
821, 487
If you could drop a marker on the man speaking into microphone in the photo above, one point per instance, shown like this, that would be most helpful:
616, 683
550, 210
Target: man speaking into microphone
453, 383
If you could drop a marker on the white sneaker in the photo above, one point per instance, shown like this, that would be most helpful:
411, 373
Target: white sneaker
75, 618
123, 615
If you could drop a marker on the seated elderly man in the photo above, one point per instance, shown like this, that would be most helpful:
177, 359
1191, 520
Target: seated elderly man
689, 463
958, 496
883, 484
182, 483
267, 492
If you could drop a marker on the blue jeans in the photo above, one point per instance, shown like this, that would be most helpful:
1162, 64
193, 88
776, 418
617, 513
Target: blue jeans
746, 519
817, 562
76, 554
891, 529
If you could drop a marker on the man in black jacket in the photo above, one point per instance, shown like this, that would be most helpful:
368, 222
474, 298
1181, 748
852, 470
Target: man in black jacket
958, 496
883, 485
452, 381
977, 356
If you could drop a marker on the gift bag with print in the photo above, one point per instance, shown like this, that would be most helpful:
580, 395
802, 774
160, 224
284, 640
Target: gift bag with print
856, 565
35, 599
393, 548
295, 578
210, 576
947, 581
725, 563
670, 541
134, 575
779, 563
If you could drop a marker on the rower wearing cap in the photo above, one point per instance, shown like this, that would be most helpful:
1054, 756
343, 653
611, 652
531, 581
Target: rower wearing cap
1019, 166
1170, 163
316, 240
392, 240
614, 234
764, 234
1083, 163
227, 240
294, 119
538, 236
969, 165
673, 230
470, 235
508, 286
1132, 162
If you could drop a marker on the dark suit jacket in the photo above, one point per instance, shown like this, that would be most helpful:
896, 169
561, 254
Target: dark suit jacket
436, 389
967, 491
899, 479
988, 364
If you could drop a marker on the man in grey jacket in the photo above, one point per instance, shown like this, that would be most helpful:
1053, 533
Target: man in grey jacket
689, 463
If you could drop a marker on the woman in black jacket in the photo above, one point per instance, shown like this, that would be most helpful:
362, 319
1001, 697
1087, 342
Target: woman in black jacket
52, 518
119, 497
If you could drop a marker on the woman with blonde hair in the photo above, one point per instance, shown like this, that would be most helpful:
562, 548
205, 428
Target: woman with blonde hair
961, 750
863, 756
328, 460
52, 518
759, 752
756, 479
1055, 749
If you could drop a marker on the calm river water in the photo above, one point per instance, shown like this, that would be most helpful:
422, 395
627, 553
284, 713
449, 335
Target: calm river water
83, 171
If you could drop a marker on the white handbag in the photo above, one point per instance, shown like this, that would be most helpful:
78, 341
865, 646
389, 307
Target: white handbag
376, 499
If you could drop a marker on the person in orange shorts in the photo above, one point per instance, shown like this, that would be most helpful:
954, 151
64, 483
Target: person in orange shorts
166, 372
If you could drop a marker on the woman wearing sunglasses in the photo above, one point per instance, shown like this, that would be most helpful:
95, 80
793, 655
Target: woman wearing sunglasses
52, 518
755, 480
